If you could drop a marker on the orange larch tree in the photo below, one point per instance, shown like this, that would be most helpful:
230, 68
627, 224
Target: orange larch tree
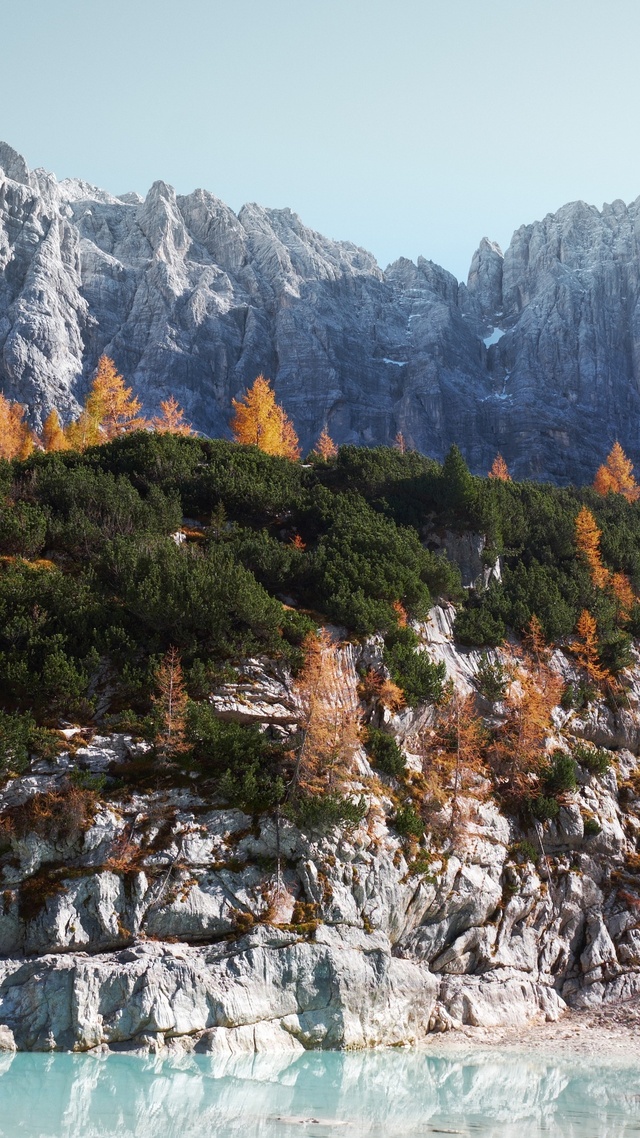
587, 649
325, 446
616, 475
259, 421
83, 432
588, 543
623, 591
518, 750
16, 439
111, 404
290, 445
456, 757
381, 691
330, 721
499, 469
401, 613
110, 410
171, 421
535, 643
170, 699
603, 482
27, 443
400, 443
53, 437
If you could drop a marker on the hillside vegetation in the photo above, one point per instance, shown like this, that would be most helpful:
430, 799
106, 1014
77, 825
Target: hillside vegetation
94, 588
141, 565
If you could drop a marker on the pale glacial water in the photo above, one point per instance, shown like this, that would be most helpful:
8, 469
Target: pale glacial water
384, 1094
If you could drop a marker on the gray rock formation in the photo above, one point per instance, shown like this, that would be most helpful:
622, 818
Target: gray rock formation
537, 355
168, 919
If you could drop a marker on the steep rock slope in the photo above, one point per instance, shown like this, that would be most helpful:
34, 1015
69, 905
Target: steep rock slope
537, 355
168, 919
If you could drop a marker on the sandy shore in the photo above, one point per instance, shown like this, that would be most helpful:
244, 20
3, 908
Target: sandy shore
608, 1033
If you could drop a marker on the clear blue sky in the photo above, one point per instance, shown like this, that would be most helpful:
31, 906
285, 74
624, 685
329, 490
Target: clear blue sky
407, 126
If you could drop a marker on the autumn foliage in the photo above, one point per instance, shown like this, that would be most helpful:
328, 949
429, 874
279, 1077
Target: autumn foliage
171, 421
616, 476
534, 642
53, 437
624, 593
587, 650
170, 700
588, 542
16, 439
325, 446
456, 757
259, 421
382, 692
518, 749
110, 410
111, 404
499, 469
330, 721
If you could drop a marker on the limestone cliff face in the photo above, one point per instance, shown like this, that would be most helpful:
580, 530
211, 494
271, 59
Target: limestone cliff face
169, 919
537, 355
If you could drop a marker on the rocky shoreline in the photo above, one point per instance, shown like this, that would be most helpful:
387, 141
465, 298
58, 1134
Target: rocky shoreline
168, 920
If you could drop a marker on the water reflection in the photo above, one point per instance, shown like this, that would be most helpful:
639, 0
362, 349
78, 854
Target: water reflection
385, 1094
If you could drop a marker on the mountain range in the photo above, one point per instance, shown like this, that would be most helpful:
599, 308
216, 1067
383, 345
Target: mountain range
536, 356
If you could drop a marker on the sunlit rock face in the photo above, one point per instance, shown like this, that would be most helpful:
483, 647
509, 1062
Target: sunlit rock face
536, 356
171, 918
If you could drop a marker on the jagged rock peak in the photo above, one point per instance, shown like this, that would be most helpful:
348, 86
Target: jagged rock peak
13, 164
536, 356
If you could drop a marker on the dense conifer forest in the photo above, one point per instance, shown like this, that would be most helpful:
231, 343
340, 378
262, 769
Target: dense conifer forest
142, 559
101, 574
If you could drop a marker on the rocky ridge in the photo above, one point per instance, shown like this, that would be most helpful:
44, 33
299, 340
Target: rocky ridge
168, 922
536, 355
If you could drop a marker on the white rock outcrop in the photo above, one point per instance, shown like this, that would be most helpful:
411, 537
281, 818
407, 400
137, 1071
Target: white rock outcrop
169, 919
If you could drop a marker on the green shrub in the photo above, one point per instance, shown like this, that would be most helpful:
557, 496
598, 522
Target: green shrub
408, 822
245, 764
85, 780
327, 811
20, 738
15, 741
364, 563
252, 788
592, 827
23, 529
219, 745
477, 626
491, 678
185, 597
417, 675
576, 697
544, 808
526, 851
385, 752
596, 760
457, 491
85, 628
560, 774
421, 865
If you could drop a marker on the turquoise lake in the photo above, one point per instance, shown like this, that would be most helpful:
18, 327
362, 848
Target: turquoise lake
380, 1094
